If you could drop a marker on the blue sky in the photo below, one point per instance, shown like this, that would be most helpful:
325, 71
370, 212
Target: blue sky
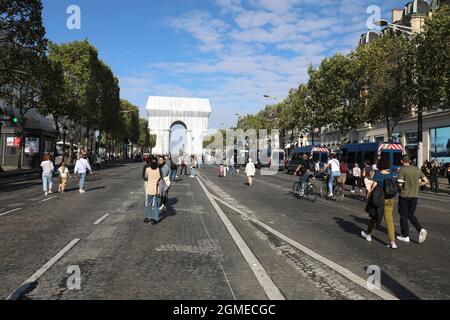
230, 51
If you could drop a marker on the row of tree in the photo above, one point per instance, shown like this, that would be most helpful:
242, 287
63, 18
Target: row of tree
67, 81
378, 82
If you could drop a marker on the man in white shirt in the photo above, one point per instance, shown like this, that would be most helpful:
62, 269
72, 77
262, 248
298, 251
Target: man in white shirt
334, 167
82, 167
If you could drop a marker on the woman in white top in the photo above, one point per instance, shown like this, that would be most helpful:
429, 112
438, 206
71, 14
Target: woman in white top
250, 171
356, 178
82, 167
47, 173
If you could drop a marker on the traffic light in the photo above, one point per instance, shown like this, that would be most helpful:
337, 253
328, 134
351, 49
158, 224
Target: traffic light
8, 119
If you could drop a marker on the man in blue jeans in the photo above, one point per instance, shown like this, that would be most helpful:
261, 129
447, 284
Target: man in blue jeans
334, 168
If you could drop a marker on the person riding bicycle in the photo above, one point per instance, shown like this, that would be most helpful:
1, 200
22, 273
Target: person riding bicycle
334, 171
305, 173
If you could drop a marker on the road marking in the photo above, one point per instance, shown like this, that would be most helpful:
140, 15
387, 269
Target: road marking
101, 219
16, 294
218, 259
269, 287
47, 199
11, 211
345, 272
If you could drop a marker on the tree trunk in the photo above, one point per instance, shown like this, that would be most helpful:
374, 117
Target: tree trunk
55, 150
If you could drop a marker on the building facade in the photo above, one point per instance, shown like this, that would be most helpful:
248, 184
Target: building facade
40, 137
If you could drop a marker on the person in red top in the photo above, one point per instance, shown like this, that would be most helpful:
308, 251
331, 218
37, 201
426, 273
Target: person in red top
344, 170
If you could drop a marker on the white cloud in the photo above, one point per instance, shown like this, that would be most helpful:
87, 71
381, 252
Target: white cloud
258, 47
203, 27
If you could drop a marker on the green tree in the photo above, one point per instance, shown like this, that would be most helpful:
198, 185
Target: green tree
81, 85
335, 93
430, 83
144, 135
22, 59
384, 74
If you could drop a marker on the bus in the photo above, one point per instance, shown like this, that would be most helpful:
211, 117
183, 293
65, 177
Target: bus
317, 153
360, 152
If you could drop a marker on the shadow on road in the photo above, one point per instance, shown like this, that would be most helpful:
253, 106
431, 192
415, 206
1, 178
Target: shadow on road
170, 211
396, 288
352, 228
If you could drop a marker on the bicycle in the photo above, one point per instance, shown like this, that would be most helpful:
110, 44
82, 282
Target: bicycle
338, 190
310, 190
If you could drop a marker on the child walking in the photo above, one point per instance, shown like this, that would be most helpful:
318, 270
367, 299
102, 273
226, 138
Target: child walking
63, 175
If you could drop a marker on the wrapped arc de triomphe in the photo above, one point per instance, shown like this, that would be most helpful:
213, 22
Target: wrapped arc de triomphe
165, 112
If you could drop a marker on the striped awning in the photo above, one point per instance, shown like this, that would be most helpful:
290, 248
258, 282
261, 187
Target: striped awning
320, 149
390, 146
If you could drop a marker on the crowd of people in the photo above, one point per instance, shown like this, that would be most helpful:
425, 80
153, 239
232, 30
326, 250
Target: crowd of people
159, 173
82, 169
433, 170
381, 190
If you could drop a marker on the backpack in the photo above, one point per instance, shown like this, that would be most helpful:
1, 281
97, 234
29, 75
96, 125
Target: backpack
390, 188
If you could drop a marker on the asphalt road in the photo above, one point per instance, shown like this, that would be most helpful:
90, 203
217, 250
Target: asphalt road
217, 240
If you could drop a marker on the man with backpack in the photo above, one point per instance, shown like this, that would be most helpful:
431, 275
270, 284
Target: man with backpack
410, 178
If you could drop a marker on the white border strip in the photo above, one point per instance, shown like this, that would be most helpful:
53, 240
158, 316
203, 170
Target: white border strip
11, 211
271, 290
46, 199
345, 272
42, 270
101, 219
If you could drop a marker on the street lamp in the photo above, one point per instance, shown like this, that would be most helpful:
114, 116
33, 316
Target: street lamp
384, 23
270, 97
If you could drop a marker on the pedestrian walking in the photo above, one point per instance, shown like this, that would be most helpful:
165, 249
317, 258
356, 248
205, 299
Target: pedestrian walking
230, 167
152, 176
250, 172
368, 173
82, 168
98, 161
183, 166
164, 183
426, 171
47, 174
356, 171
448, 173
173, 172
221, 170
381, 203
193, 166
63, 173
344, 172
410, 179
434, 176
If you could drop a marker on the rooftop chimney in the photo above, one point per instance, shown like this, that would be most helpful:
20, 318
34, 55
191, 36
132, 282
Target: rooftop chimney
397, 15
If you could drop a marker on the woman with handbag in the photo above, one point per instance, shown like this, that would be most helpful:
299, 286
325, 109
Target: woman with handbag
82, 168
153, 177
